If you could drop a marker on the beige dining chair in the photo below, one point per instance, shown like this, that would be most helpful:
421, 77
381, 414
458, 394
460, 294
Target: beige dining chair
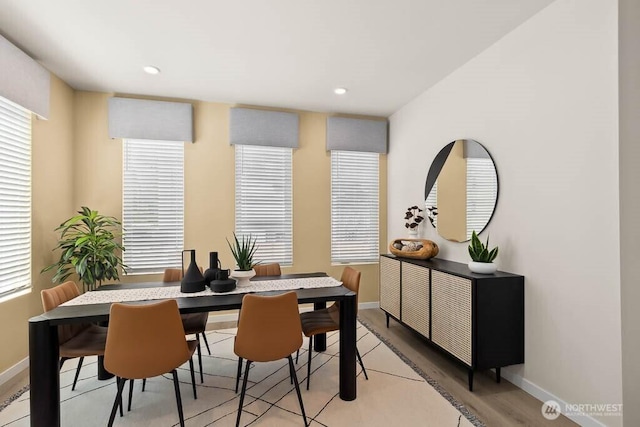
272, 269
269, 329
74, 340
145, 341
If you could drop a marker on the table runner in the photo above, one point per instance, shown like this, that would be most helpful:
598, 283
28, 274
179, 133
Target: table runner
168, 292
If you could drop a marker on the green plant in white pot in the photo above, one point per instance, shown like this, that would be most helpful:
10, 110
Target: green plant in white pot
243, 250
481, 256
89, 248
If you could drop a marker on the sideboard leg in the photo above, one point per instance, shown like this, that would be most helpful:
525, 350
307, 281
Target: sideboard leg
498, 375
387, 320
470, 379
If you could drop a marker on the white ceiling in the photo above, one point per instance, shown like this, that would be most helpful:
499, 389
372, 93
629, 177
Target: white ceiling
278, 53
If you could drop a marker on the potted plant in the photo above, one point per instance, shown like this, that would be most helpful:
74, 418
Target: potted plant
243, 251
413, 218
89, 249
481, 256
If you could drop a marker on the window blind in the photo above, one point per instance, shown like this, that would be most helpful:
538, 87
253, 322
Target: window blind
354, 207
15, 198
153, 205
264, 200
482, 192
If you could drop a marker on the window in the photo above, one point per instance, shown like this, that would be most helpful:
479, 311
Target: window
263, 200
354, 207
482, 192
15, 198
153, 205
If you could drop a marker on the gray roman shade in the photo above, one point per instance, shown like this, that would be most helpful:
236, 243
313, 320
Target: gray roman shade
145, 119
24, 81
346, 134
261, 127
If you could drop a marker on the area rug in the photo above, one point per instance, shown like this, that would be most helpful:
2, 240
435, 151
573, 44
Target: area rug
395, 394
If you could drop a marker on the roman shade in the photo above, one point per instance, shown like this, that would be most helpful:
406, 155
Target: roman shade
356, 135
261, 127
146, 119
24, 81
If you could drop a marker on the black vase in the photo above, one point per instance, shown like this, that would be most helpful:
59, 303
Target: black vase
214, 266
193, 281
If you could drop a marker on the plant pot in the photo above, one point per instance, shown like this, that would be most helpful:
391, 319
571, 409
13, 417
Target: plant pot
482, 267
242, 276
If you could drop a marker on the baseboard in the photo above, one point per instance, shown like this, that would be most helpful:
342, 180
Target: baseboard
233, 317
13, 371
543, 395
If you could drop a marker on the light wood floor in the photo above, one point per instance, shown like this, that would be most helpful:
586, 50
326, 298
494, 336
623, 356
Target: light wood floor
495, 404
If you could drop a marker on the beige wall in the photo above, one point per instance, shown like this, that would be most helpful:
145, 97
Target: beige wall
76, 164
52, 185
209, 186
452, 195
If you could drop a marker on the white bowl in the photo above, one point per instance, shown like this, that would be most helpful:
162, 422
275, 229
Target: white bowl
482, 267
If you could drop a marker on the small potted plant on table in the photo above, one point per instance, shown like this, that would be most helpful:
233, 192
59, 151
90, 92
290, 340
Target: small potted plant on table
243, 251
481, 256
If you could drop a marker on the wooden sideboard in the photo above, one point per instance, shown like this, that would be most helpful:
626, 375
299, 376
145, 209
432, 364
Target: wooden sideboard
478, 319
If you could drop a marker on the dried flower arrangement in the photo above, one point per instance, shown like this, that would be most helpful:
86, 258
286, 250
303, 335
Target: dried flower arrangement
413, 217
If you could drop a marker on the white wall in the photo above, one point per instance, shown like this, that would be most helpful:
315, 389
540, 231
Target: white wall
543, 101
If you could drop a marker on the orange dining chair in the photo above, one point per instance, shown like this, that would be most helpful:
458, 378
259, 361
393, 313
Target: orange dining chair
145, 341
74, 340
193, 323
272, 269
269, 329
328, 319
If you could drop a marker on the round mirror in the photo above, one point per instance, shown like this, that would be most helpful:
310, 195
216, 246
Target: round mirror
462, 190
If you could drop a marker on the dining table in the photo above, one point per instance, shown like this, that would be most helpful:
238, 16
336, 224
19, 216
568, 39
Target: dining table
43, 331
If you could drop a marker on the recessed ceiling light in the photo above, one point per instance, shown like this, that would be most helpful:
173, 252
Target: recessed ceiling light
150, 69
340, 90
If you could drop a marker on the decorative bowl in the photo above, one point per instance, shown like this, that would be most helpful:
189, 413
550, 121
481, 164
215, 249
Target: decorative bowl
428, 250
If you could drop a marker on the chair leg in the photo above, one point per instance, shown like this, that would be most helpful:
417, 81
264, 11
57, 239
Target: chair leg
206, 343
297, 354
176, 386
62, 360
75, 379
130, 394
294, 377
121, 383
239, 373
361, 364
309, 361
144, 383
116, 402
244, 389
200, 359
193, 378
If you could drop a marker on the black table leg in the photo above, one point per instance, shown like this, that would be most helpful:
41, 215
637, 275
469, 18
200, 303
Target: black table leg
44, 376
103, 374
320, 340
348, 347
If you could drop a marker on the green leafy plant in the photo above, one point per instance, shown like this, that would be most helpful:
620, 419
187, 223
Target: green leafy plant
480, 252
243, 251
89, 249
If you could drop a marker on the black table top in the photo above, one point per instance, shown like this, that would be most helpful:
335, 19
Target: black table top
218, 302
